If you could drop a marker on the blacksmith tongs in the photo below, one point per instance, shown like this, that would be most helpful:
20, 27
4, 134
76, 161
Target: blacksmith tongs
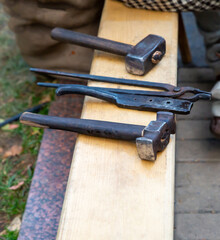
173, 99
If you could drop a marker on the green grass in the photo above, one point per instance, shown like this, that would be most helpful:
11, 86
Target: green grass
31, 138
18, 92
13, 201
10, 235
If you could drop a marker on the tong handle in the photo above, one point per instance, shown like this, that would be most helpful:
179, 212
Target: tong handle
84, 90
95, 78
89, 41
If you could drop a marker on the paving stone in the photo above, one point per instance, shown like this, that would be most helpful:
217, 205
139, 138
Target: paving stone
197, 188
197, 227
193, 129
198, 150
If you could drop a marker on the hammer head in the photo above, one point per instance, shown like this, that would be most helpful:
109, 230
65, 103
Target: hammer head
145, 55
155, 137
146, 148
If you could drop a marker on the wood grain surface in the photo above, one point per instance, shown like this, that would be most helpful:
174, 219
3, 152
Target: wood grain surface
111, 192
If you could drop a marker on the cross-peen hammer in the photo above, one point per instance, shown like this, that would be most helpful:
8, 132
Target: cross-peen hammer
149, 139
139, 59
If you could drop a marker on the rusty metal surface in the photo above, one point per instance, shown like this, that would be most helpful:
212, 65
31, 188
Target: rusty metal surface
41, 218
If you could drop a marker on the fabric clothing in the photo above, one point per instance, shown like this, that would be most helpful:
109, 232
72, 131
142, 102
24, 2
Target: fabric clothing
174, 5
209, 26
33, 20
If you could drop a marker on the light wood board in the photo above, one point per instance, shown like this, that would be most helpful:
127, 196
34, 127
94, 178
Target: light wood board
111, 193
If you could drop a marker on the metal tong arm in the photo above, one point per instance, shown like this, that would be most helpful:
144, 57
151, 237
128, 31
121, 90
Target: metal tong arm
125, 98
84, 90
168, 89
96, 78
202, 95
112, 90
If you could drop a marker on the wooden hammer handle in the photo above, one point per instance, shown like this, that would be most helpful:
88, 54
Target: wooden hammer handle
89, 41
89, 127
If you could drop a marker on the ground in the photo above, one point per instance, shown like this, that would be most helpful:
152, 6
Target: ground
18, 144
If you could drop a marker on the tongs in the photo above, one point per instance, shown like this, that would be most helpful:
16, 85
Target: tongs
171, 98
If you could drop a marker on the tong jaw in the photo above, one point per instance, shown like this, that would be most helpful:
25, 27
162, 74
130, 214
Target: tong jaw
156, 136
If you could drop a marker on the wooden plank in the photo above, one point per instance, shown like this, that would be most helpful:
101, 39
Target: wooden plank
111, 193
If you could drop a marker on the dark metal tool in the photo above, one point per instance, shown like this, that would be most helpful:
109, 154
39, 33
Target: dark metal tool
130, 99
171, 98
168, 90
17, 116
149, 139
139, 59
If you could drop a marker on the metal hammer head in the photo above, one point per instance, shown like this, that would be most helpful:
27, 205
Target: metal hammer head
156, 136
145, 55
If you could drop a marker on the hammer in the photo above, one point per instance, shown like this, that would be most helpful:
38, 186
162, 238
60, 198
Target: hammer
149, 139
139, 59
